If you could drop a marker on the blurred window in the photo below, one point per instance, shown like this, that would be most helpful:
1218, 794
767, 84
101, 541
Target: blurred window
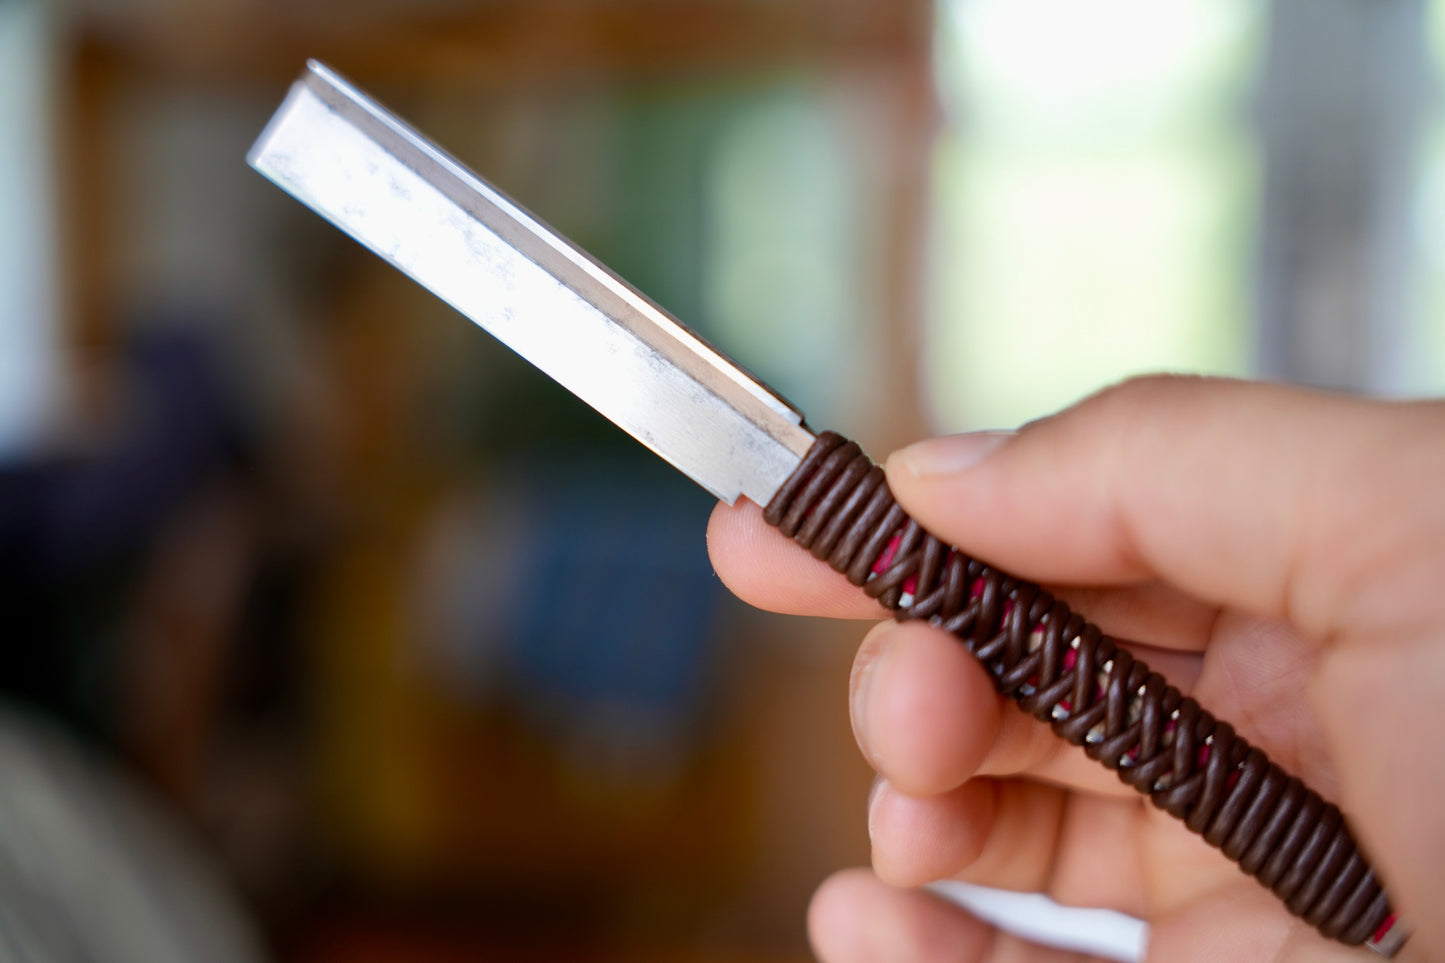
28, 313
789, 289
1431, 223
1094, 194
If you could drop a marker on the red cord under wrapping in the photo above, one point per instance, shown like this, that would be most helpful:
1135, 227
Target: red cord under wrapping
1090, 690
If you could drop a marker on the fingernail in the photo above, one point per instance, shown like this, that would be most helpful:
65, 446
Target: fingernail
858, 708
879, 785
861, 688
949, 454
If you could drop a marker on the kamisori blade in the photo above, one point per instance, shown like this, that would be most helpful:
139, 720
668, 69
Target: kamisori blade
354, 163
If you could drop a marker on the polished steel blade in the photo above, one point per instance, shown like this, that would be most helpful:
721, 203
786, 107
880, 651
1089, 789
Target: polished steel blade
351, 161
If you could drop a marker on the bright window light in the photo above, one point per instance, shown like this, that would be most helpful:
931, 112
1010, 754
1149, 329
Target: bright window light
29, 319
1094, 192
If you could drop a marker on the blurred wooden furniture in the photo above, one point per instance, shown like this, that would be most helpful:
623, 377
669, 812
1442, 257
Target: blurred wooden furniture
751, 805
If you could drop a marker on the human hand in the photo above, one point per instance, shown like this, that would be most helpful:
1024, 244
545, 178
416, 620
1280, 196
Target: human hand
1283, 554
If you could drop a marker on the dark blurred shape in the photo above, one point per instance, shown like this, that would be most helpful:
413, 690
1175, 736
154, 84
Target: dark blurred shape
154, 611
75, 528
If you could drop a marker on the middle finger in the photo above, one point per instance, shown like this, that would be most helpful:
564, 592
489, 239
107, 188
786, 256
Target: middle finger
927, 716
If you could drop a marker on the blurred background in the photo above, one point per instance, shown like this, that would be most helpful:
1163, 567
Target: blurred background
334, 632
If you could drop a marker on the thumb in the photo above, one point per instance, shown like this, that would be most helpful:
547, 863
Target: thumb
1275, 500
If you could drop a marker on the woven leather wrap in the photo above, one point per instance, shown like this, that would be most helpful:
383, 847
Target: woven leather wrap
1062, 670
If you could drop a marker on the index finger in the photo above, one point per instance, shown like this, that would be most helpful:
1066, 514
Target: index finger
1316, 508
768, 570
765, 568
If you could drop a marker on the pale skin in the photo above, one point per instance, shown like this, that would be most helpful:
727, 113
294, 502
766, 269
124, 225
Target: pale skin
1280, 555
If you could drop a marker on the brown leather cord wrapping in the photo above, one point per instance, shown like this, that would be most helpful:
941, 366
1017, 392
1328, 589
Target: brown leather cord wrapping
1090, 690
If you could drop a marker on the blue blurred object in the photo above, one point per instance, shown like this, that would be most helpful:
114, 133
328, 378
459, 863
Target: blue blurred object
584, 600
611, 626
